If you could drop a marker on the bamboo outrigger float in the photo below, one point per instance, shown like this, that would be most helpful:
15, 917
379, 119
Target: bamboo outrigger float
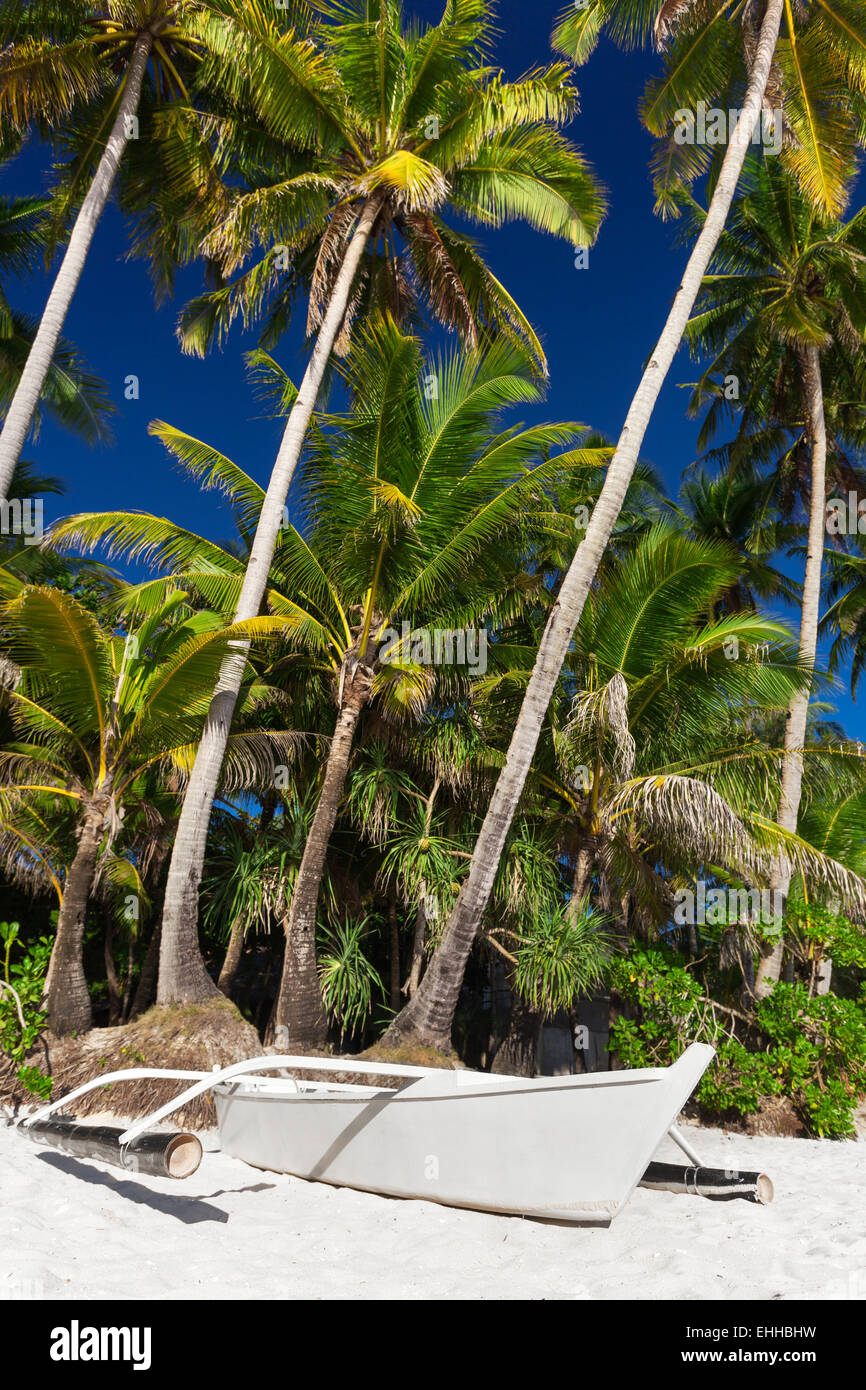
568, 1147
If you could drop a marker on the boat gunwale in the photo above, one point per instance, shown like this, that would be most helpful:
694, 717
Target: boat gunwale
275, 1088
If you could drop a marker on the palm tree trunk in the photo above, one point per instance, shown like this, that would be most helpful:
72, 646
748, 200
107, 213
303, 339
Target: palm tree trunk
114, 990
770, 963
413, 979
225, 983
29, 389
582, 872
146, 987
298, 1016
428, 1016
67, 1001
127, 986
393, 953
557, 1046
182, 975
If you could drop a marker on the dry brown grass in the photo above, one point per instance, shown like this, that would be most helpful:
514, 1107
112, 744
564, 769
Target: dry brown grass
189, 1037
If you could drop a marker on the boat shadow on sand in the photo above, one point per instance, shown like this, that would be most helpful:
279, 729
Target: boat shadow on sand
189, 1210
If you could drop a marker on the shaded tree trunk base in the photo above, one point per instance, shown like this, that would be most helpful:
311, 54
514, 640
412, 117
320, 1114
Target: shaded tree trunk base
146, 987
517, 1054
404, 1033
225, 983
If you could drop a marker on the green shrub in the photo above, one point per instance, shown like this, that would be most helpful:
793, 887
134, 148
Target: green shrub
812, 1051
21, 1020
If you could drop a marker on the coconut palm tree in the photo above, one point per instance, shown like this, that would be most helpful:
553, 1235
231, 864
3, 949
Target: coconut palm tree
387, 125
787, 296
80, 71
94, 713
429, 1014
414, 506
814, 102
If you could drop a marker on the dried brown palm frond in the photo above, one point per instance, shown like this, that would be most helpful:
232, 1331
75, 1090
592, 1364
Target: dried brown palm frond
10, 674
818, 870
670, 16
343, 341
26, 852
670, 809
629, 866
251, 759
332, 251
435, 270
599, 720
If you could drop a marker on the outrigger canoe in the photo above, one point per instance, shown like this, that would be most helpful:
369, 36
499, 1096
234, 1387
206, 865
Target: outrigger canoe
572, 1148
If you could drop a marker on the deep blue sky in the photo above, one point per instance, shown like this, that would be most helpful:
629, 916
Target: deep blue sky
598, 325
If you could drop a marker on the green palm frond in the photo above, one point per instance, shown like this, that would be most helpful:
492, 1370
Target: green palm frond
61, 646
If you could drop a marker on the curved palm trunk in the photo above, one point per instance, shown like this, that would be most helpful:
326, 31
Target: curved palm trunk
393, 954
182, 975
225, 983
115, 995
413, 979
146, 987
428, 1016
770, 962
66, 1000
29, 389
298, 1017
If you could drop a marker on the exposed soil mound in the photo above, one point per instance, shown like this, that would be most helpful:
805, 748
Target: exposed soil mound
777, 1115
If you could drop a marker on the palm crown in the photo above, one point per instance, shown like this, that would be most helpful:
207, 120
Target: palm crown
414, 507
329, 105
664, 692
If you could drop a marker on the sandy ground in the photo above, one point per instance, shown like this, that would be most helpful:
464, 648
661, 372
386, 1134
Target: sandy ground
70, 1229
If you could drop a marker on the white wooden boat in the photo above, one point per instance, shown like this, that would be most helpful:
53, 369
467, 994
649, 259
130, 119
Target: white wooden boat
571, 1148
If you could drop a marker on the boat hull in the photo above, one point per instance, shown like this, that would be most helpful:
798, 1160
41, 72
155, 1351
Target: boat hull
568, 1148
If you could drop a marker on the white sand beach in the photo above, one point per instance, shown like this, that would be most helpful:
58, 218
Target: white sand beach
73, 1230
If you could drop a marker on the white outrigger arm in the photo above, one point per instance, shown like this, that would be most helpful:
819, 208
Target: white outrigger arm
178, 1155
